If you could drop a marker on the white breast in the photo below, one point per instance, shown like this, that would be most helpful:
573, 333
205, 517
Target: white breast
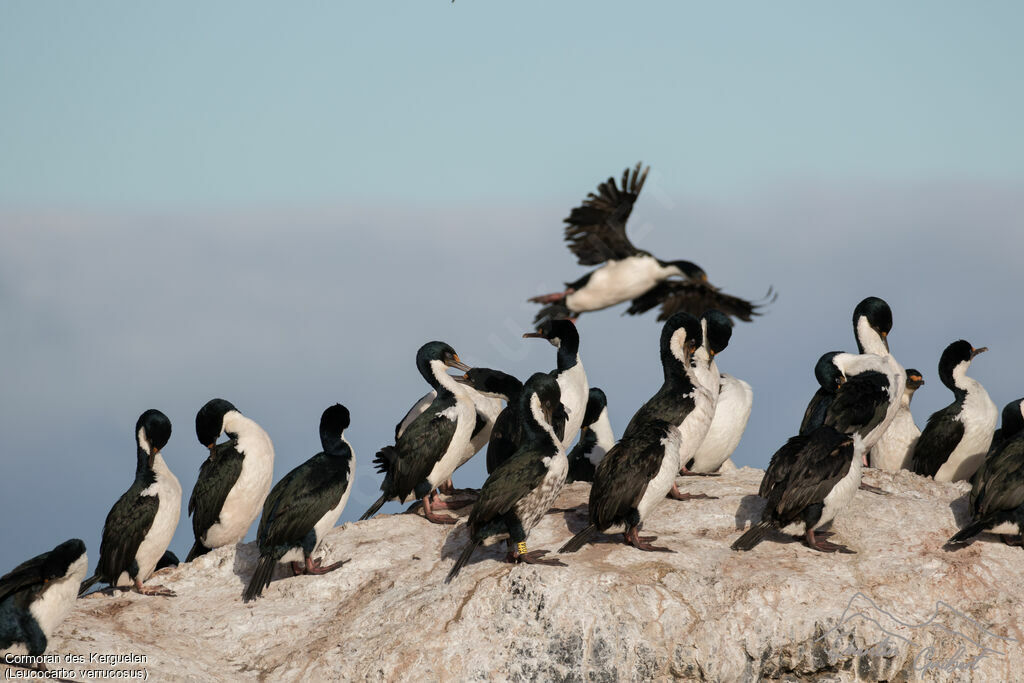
735, 399
602, 429
893, 449
659, 487
58, 597
534, 505
695, 425
979, 417
842, 493
489, 408
245, 500
897, 386
615, 282
167, 490
575, 393
460, 448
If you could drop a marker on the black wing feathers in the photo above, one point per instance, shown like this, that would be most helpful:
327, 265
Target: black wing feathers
999, 484
27, 574
217, 475
126, 526
419, 448
623, 475
940, 436
824, 458
695, 298
816, 411
596, 229
781, 464
861, 403
506, 486
300, 499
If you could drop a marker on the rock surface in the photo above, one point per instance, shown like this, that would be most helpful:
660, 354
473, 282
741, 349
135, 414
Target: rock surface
902, 608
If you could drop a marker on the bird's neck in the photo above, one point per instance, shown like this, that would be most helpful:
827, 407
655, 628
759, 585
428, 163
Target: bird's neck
603, 430
143, 463
443, 383
868, 340
536, 430
237, 426
958, 381
335, 445
568, 356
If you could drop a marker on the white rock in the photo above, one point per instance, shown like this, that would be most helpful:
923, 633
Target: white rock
615, 613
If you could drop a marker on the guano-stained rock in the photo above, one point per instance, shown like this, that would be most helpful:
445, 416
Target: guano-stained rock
781, 611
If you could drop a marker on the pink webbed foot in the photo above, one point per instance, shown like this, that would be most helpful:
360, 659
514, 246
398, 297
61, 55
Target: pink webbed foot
639, 542
676, 494
315, 566
825, 546
551, 298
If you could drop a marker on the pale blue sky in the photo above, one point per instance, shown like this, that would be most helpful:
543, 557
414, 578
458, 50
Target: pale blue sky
278, 204
124, 103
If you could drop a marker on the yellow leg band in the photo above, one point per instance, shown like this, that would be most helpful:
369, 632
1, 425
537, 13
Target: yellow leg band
521, 547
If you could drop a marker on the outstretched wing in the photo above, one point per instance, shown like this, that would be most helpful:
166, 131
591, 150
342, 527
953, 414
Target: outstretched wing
695, 298
596, 229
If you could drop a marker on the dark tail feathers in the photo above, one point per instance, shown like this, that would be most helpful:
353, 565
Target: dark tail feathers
579, 540
260, 578
198, 550
385, 459
87, 584
752, 537
463, 559
373, 508
967, 533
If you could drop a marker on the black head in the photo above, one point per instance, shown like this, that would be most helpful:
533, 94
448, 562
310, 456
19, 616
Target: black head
719, 330
680, 328
915, 380
60, 559
559, 332
210, 420
333, 423
690, 270
492, 383
828, 375
545, 388
437, 351
596, 402
152, 431
956, 353
878, 315
1013, 418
